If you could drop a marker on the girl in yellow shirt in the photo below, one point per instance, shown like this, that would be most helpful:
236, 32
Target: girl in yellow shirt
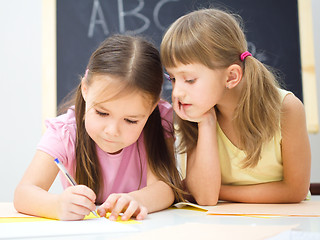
245, 138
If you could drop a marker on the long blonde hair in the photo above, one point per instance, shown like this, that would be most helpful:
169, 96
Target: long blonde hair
215, 38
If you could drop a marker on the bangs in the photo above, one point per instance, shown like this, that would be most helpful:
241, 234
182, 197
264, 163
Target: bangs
197, 38
185, 43
181, 44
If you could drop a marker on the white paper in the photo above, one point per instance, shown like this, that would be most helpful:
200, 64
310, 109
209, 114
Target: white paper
184, 204
61, 228
303, 209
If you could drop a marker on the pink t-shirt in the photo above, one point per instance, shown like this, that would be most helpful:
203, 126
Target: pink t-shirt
121, 173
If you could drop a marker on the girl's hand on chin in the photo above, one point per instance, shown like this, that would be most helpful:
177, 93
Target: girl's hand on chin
122, 203
209, 117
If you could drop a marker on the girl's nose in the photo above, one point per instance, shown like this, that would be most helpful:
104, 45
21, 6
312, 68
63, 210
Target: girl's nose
177, 91
112, 128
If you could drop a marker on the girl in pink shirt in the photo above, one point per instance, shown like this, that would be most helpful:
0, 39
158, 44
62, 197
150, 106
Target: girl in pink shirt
116, 141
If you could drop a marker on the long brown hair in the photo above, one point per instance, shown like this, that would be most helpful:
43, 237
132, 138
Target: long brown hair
216, 39
135, 64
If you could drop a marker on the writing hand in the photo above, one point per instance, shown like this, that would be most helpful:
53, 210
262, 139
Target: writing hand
76, 202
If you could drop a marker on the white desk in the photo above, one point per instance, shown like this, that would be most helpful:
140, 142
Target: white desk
309, 226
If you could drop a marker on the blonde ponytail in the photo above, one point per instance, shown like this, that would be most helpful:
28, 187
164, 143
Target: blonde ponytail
257, 116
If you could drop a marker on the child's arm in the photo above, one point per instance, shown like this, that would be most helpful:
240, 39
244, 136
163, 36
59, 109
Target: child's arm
156, 196
32, 196
203, 176
296, 163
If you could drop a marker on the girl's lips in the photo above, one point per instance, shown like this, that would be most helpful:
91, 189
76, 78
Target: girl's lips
181, 109
183, 105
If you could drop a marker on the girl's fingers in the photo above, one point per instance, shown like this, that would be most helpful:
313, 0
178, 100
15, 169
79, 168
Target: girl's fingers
85, 191
112, 200
142, 214
121, 204
79, 210
83, 202
71, 211
103, 209
108, 205
131, 209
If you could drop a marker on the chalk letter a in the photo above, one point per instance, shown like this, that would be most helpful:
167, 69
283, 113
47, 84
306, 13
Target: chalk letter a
97, 17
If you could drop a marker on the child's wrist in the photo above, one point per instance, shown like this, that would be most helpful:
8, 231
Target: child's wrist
207, 123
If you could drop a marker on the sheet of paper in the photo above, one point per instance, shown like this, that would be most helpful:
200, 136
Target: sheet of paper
303, 209
61, 228
9, 215
186, 204
191, 231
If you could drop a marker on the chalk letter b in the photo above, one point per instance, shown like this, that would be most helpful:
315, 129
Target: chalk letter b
133, 12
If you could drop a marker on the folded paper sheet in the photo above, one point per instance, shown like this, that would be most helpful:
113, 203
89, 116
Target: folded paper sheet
303, 209
189, 204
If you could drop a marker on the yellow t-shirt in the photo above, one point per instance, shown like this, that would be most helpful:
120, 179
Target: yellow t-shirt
269, 167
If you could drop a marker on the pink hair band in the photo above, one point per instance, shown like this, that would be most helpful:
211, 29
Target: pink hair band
244, 55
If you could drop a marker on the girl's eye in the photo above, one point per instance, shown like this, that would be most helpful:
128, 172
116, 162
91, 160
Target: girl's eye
131, 121
172, 79
102, 114
190, 81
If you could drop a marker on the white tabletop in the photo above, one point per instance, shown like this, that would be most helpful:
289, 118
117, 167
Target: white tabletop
307, 227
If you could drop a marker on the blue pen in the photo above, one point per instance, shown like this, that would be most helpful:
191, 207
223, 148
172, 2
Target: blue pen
68, 176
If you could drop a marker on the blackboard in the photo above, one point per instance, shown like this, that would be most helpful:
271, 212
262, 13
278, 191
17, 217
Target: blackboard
271, 28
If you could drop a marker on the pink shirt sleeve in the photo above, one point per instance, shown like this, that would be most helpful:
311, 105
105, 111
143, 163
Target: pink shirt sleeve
59, 138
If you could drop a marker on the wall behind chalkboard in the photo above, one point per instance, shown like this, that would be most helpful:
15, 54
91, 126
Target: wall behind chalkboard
271, 27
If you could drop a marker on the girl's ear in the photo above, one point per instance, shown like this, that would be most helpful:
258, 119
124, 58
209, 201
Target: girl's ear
84, 89
234, 75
